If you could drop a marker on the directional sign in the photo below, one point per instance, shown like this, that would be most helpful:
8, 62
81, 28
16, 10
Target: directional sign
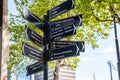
60, 9
60, 44
64, 52
32, 18
34, 37
36, 67
31, 52
57, 34
76, 20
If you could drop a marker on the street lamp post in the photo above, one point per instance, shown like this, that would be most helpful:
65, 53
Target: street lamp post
117, 47
109, 63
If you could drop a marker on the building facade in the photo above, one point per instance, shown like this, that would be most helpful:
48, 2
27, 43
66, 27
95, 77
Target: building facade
4, 39
64, 74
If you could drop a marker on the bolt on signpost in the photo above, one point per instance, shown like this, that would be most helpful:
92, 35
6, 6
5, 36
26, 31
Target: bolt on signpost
54, 49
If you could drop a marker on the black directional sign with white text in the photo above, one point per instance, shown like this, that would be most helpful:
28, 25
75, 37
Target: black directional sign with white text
76, 20
64, 52
34, 37
32, 18
57, 33
32, 52
60, 9
60, 44
36, 67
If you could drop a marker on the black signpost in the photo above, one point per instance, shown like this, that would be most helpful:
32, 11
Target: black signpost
54, 49
64, 52
34, 37
36, 67
27, 15
61, 33
60, 9
60, 44
32, 52
76, 20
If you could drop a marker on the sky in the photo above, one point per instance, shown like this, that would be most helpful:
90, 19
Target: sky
93, 61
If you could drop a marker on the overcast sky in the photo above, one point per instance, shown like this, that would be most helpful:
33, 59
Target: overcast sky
95, 60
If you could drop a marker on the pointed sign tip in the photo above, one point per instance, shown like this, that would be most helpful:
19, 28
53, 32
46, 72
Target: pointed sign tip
25, 12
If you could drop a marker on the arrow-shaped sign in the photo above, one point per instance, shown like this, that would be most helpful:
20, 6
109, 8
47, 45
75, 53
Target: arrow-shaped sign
60, 9
76, 20
31, 52
64, 52
36, 67
34, 37
29, 16
57, 34
60, 44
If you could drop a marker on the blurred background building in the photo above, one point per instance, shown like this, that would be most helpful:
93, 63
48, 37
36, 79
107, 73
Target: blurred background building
4, 39
64, 74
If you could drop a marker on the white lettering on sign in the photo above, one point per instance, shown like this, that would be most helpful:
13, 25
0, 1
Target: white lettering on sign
32, 56
68, 27
37, 43
63, 53
37, 67
38, 64
54, 9
69, 30
58, 34
57, 31
34, 53
32, 49
57, 57
36, 39
68, 20
59, 13
36, 35
58, 37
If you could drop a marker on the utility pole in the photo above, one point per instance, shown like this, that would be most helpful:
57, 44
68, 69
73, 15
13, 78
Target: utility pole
117, 47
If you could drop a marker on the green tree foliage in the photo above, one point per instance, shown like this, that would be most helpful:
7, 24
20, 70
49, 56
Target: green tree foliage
96, 24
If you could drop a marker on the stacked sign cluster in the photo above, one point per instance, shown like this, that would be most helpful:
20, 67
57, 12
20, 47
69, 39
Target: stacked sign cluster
53, 32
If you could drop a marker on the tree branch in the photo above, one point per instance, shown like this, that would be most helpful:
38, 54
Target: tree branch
112, 10
98, 19
103, 20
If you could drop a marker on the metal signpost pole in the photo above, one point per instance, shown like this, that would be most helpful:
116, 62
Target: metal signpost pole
46, 48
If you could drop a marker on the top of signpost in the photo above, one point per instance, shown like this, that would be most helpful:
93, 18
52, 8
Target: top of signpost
60, 9
29, 16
